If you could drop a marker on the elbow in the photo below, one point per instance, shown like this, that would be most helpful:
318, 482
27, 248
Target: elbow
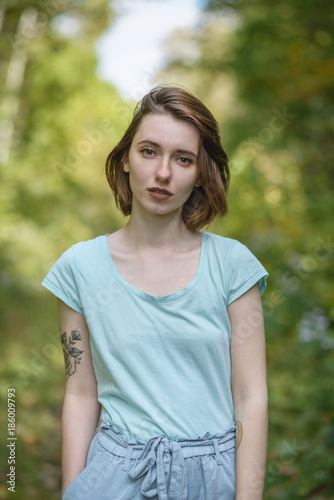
257, 400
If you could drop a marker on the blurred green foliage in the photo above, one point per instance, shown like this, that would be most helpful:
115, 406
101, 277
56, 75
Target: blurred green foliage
64, 122
266, 71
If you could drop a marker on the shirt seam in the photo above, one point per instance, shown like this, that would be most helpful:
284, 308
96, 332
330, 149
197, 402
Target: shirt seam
75, 274
61, 295
229, 257
156, 298
253, 279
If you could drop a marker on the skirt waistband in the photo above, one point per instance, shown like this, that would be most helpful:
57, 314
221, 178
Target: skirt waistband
151, 458
206, 445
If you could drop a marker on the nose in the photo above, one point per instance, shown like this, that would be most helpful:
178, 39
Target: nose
163, 171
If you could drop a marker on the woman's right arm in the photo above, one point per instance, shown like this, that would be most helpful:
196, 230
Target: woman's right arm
81, 408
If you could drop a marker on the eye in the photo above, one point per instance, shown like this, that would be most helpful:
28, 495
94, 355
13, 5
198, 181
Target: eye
147, 151
185, 161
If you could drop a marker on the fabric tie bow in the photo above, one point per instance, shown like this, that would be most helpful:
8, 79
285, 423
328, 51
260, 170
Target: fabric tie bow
150, 462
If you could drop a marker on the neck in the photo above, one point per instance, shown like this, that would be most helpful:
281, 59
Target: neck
159, 232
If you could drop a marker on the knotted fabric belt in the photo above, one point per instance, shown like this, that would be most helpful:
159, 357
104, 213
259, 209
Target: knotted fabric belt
165, 478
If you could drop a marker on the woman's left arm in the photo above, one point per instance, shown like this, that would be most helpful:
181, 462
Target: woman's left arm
249, 391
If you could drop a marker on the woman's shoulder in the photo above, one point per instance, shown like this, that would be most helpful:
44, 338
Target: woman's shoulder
229, 250
223, 242
90, 243
84, 249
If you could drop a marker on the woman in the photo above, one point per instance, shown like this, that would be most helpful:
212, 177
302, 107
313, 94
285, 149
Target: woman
162, 326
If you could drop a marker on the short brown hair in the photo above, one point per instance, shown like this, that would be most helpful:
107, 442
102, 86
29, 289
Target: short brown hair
205, 201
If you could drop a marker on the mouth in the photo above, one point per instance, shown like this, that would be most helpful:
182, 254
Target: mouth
160, 191
159, 194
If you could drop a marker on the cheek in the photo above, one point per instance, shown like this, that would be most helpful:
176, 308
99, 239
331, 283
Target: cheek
190, 182
137, 177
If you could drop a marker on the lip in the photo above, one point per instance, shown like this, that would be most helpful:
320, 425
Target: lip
163, 195
160, 189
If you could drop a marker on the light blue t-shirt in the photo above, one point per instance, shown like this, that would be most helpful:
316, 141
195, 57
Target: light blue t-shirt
162, 363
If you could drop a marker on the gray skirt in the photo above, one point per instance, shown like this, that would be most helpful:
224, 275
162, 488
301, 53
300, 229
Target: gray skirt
160, 469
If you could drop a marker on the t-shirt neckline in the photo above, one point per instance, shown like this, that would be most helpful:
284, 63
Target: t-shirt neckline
147, 296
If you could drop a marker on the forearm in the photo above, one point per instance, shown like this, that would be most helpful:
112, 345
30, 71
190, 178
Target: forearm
79, 420
252, 451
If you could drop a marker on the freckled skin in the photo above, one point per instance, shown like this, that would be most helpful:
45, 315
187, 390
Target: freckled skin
163, 166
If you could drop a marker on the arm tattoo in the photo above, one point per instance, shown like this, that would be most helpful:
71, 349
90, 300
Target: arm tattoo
71, 353
239, 436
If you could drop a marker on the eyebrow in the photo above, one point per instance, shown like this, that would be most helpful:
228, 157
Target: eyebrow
153, 143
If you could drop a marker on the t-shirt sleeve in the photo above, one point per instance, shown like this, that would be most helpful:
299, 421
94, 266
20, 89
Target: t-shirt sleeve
61, 280
245, 271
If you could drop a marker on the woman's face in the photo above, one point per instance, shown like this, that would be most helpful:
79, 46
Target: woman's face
163, 164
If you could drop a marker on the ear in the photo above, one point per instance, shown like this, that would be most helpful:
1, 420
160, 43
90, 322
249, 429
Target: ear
125, 165
198, 178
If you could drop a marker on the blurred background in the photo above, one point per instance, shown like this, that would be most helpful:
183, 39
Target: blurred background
71, 73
